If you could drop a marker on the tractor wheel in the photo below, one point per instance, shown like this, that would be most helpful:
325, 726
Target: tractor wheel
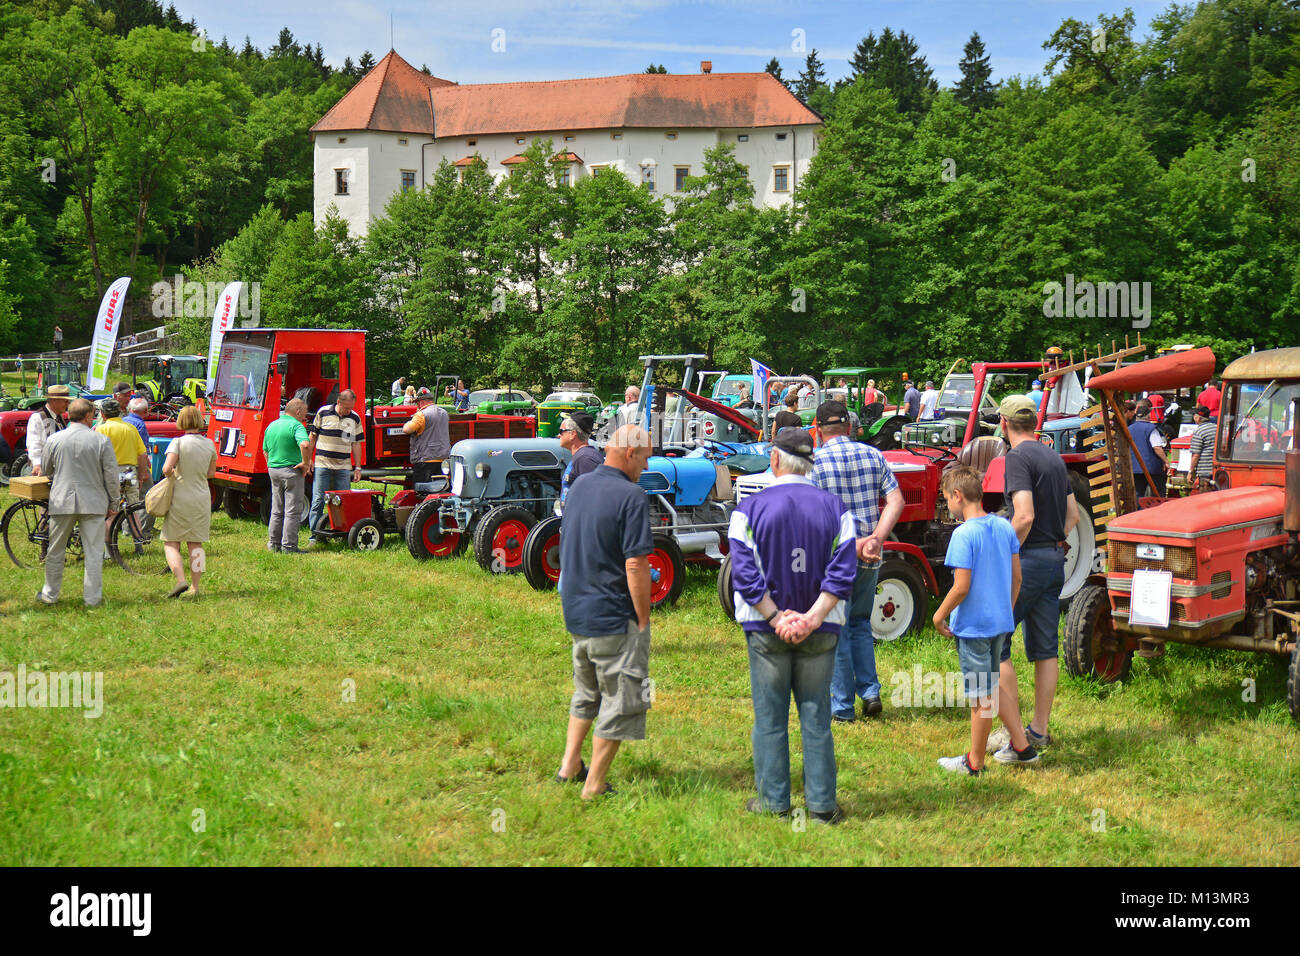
366, 535
726, 595
233, 502
264, 507
499, 539
425, 538
901, 600
1293, 683
215, 493
17, 468
1088, 628
1082, 542
542, 554
667, 571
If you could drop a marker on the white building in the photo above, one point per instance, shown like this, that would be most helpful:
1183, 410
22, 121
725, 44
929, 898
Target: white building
397, 124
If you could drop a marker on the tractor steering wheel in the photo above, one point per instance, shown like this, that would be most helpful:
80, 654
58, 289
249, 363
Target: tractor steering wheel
945, 454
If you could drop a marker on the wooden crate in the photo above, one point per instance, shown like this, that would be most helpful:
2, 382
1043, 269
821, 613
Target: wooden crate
30, 487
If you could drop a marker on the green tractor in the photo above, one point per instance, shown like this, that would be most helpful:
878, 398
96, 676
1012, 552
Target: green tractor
570, 397
179, 379
882, 419
501, 401
48, 372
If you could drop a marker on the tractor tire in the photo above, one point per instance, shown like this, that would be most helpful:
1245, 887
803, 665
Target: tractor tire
425, 538
241, 504
264, 507
1293, 683
901, 601
17, 468
1082, 543
726, 595
542, 554
366, 535
233, 501
1087, 624
499, 539
667, 572
217, 496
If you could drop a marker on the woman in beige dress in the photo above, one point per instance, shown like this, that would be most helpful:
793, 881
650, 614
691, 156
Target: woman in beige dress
191, 461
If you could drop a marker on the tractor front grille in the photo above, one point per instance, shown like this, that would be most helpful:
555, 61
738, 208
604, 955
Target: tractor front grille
1181, 561
1177, 612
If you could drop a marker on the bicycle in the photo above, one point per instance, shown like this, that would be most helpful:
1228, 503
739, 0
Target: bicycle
25, 528
131, 535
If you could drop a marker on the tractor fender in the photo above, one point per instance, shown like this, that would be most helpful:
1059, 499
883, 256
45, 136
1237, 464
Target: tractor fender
916, 557
995, 476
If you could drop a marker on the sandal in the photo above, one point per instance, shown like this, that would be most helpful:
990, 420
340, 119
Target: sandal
179, 589
578, 777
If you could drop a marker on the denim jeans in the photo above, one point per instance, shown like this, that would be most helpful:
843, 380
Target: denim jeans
326, 479
1038, 608
855, 655
777, 670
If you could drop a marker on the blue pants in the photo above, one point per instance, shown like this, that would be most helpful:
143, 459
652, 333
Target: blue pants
326, 479
1038, 608
776, 671
855, 655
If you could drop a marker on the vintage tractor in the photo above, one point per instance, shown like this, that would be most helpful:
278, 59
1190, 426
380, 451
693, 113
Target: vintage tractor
363, 516
502, 401
176, 379
880, 421
1218, 569
570, 397
499, 489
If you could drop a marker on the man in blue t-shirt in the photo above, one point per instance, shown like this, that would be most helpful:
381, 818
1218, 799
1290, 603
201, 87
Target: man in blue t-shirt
912, 401
605, 544
984, 554
575, 437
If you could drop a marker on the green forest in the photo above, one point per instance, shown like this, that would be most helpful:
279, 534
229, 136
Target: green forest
931, 222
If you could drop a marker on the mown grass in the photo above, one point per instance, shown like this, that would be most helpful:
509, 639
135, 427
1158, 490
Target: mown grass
234, 705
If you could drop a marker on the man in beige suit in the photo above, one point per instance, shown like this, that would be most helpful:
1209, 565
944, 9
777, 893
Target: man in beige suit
83, 483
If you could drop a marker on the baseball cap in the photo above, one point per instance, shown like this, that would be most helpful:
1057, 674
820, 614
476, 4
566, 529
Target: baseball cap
121, 387
1037, 384
582, 421
1018, 408
831, 413
110, 407
1202, 411
929, 384
796, 441
423, 392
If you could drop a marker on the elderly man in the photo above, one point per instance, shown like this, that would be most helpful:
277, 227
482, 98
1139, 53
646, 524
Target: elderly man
793, 546
1149, 450
83, 484
337, 448
137, 408
1200, 471
929, 402
285, 446
131, 452
627, 411
399, 386
45, 423
575, 437
860, 476
605, 593
430, 439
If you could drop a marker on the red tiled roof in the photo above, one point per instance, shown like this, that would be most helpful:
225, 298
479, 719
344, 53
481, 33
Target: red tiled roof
567, 158
395, 96
469, 161
511, 160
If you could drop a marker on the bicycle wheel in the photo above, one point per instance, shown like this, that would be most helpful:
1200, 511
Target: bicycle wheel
26, 532
132, 546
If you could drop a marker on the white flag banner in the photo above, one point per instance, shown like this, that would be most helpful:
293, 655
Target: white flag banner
105, 337
222, 320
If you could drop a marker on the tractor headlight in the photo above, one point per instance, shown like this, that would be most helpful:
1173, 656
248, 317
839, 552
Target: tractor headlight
336, 500
445, 466
482, 470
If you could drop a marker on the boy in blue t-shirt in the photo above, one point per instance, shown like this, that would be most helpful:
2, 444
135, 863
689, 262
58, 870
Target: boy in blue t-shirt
984, 554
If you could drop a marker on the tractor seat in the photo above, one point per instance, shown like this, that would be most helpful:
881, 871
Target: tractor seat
872, 413
978, 454
748, 464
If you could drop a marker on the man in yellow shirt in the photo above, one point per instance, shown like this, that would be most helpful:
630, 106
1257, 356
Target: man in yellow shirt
127, 446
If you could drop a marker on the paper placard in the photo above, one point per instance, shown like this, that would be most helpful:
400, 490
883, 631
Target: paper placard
1149, 602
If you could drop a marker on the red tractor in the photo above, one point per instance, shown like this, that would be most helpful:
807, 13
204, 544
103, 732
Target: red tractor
1218, 569
259, 370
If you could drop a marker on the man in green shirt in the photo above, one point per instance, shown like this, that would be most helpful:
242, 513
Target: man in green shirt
285, 445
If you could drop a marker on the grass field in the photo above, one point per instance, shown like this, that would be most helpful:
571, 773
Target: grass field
234, 705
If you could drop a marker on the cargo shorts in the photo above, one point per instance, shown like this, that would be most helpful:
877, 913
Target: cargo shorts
611, 682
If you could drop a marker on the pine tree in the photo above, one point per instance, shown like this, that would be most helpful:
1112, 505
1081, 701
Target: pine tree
893, 61
365, 63
349, 68
285, 45
656, 69
774, 67
812, 78
425, 70
974, 89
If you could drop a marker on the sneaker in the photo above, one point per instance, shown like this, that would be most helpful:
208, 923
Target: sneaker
997, 740
837, 719
273, 548
960, 765
40, 596
872, 706
755, 805
1039, 741
292, 551
827, 818
1010, 754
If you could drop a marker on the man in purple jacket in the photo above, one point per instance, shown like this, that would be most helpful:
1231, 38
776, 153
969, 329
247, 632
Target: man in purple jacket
793, 564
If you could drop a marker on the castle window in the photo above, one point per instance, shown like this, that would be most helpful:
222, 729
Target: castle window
408, 179
781, 179
471, 142
648, 178
670, 135
681, 172
615, 135
742, 138
401, 141
519, 141
570, 138
340, 182
343, 139
781, 137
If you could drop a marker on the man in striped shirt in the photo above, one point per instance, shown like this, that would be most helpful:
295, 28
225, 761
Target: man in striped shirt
1200, 472
337, 445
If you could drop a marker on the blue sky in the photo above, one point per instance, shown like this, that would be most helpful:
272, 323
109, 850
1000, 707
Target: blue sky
555, 39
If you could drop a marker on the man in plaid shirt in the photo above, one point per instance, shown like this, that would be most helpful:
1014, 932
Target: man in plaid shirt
860, 476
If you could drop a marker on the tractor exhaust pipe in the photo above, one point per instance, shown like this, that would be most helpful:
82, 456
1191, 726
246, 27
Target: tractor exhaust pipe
1291, 503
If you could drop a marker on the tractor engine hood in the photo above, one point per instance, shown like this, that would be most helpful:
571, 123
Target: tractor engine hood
1198, 515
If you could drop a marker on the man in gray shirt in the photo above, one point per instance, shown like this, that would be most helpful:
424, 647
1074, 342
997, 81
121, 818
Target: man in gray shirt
430, 441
